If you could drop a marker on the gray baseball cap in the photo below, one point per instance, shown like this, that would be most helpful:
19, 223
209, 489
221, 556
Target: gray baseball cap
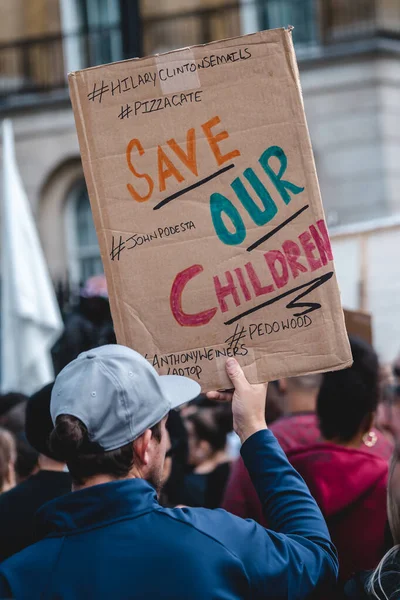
117, 394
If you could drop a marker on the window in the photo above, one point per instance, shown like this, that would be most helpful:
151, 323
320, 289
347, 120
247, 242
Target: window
300, 13
85, 259
269, 14
343, 20
102, 21
92, 30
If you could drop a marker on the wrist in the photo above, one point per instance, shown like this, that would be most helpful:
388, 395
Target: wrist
245, 432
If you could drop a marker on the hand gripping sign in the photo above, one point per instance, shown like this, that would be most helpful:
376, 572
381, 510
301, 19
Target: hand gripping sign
207, 208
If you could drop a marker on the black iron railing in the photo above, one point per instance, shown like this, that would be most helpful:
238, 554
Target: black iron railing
39, 66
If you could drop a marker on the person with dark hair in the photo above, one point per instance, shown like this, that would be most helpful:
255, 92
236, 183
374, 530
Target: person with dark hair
27, 458
12, 417
299, 427
232, 440
348, 483
8, 456
110, 536
89, 325
175, 460
12, 411
208, 456
19, 505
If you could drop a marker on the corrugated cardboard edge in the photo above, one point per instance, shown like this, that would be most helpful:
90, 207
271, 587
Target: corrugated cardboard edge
168, 52
291, 55
95, 202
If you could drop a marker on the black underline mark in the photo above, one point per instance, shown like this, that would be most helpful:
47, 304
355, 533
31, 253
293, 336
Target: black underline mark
269, 235
191, 187
310, 306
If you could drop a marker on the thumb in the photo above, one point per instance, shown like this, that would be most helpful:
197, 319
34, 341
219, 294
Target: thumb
235, 374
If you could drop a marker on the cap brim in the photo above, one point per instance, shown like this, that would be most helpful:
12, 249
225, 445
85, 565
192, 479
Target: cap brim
178, 389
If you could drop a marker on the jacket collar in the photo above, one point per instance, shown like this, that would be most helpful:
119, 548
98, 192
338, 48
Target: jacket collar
96, 505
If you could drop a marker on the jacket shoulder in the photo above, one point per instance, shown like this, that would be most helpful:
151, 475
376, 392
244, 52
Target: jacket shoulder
218, 525
28, 568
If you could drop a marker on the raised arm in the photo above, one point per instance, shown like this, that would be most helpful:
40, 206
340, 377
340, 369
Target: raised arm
296, 556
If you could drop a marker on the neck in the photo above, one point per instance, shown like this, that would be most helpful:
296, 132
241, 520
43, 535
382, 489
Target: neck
100, 479
48, 464
8, 485
212, 462
356, 442
96, 480
297, 402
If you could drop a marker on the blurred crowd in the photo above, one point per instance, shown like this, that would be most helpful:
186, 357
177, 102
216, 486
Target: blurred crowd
340, 430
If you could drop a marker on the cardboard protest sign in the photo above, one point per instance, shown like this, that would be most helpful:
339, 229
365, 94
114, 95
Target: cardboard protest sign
207, 208
359, 323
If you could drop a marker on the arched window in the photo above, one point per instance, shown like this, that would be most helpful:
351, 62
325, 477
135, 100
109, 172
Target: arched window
84, 251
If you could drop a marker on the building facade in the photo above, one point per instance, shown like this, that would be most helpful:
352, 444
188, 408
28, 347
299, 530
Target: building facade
349, 58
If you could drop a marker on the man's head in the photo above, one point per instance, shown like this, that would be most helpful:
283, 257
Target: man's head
12, 412
38, 427
144, 457
301, 393
109, 408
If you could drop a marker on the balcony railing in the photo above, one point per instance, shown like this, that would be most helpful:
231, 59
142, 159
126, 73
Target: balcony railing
33, 69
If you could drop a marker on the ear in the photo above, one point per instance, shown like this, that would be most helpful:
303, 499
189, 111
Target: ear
205, 448
141, 446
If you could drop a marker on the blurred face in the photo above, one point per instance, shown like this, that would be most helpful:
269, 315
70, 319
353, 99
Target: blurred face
388, 417
396, 370
199, 450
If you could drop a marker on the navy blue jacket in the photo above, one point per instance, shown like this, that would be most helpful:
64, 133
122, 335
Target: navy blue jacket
114, 541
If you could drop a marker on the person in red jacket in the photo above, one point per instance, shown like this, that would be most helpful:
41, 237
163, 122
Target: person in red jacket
299, 428
348, 483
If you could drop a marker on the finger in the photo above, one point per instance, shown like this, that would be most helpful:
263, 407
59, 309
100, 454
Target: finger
220, 396
236, 375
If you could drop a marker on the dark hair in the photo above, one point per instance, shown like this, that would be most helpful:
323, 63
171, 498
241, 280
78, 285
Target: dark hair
70, 441
349, 397
38, 423
12, 413
9, 401
172, 490
27, 458
202, 401
212, 425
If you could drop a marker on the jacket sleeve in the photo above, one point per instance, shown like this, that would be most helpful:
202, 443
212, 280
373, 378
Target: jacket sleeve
240, 497
234, 500
296, 556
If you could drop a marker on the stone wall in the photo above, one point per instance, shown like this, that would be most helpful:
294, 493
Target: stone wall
353, 111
